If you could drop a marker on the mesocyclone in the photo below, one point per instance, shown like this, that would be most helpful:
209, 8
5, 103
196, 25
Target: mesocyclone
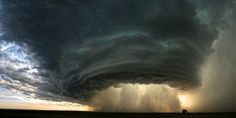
92, 45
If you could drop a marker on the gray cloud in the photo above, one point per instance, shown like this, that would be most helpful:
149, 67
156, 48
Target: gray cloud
166, 44
88, 46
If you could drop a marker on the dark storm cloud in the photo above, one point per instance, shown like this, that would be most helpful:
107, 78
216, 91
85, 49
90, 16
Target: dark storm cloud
99, 43
161, 42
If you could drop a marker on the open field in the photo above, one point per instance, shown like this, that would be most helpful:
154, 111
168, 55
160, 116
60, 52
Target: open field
5, 113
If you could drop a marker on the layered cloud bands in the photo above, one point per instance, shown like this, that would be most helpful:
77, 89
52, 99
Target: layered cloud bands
88, 46
166, 46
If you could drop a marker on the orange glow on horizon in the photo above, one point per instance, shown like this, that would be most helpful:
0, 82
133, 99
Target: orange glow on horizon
45, 106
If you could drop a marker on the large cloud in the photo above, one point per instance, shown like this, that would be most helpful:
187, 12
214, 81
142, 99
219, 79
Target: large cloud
164, 44
99, 43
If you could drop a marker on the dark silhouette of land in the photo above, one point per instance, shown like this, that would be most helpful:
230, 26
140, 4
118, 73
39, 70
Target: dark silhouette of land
6, 113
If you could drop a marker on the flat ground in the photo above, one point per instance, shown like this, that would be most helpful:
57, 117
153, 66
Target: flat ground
5, 113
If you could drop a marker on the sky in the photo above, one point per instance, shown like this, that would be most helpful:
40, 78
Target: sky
118, 55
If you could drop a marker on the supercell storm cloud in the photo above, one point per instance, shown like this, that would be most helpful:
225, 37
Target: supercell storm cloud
92, 45
81, 47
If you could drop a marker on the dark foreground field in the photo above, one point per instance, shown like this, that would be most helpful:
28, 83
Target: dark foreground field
75, 114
